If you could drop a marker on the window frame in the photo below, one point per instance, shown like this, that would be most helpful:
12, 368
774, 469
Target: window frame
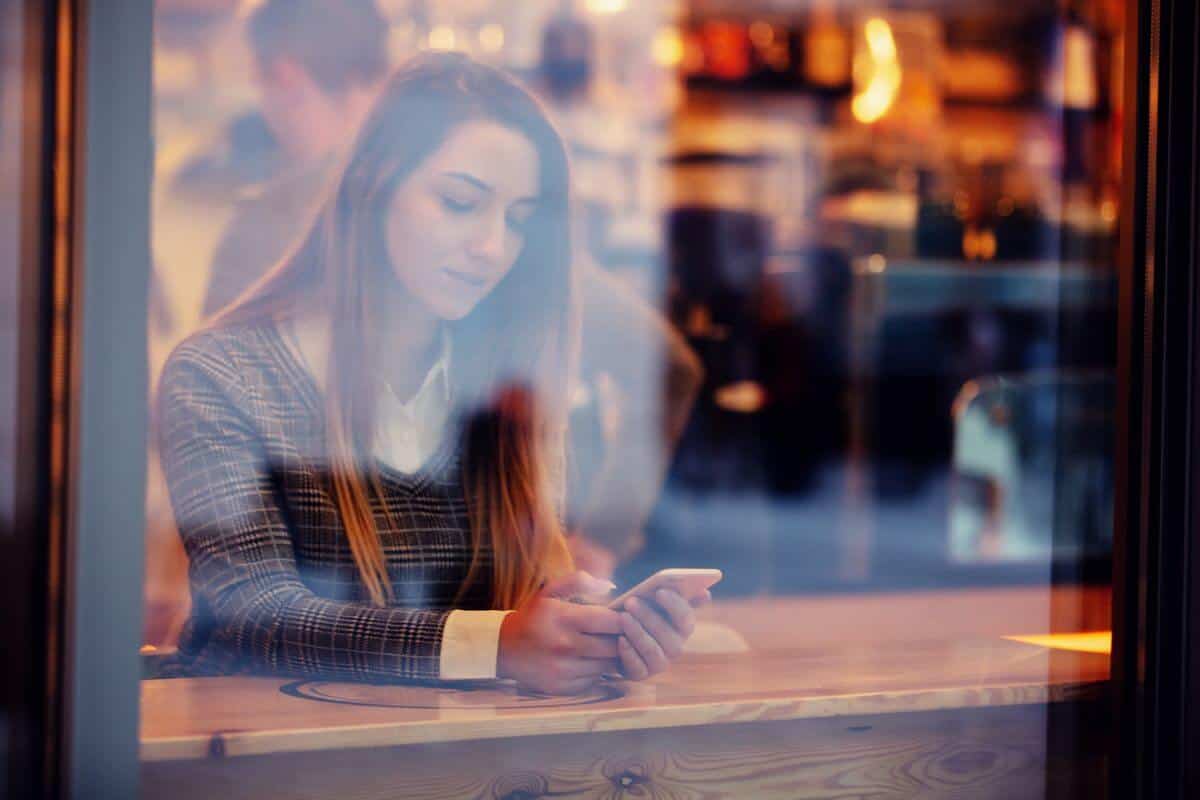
101, 57
31, 597
1156, 652
104, 155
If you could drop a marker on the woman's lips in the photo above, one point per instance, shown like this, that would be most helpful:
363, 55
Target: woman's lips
465, 277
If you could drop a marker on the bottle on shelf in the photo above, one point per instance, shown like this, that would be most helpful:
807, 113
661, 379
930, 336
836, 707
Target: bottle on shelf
939, 233
1023, 233
826, 53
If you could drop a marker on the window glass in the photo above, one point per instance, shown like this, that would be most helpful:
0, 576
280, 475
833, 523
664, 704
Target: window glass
468, 308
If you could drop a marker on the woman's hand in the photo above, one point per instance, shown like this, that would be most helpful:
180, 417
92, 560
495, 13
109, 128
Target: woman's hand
652, 634
591, 556
555, 646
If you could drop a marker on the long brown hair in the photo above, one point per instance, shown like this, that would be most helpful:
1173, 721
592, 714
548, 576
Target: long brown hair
512, 353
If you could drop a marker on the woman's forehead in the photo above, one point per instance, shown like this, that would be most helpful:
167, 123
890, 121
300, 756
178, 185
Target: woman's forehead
497, 156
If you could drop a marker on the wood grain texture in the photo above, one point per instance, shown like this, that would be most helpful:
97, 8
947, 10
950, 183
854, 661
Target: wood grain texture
810, 658
1000, 753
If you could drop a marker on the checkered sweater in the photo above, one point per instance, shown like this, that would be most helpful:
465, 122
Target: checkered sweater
274, 585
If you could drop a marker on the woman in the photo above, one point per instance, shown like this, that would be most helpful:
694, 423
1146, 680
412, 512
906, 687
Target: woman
363, 451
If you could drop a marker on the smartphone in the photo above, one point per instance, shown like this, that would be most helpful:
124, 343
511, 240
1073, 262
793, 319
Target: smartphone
690, 583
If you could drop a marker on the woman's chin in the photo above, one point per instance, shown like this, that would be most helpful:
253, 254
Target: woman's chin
452, 309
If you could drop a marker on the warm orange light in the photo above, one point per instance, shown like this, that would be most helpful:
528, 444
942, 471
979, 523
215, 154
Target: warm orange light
491, 37
979, 244
762, 34
1089, 642
743, 397
667, 47
879, 39
442, 38
727, 54
878, 69
606, 6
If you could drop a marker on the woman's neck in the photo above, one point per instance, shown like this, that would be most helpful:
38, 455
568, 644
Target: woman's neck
407, 339
408, 343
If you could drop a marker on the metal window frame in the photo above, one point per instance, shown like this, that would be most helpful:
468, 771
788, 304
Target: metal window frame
71, 574
1156, 648
109, 149
30, 594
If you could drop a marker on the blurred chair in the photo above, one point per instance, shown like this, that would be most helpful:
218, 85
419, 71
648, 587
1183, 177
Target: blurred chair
1033, 467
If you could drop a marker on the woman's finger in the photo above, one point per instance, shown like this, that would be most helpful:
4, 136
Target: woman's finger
646, 645
632, 665
678, 611
701, 600
591, 619
657, 625
590, 646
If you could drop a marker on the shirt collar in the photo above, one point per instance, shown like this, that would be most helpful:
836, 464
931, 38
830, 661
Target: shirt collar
436, 386
310, 341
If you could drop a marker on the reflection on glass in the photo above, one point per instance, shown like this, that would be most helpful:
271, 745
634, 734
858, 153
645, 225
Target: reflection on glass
457, 300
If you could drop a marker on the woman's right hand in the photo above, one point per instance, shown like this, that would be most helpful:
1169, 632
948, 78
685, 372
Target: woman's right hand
555, 646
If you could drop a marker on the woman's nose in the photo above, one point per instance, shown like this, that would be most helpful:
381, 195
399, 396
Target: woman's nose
491, 240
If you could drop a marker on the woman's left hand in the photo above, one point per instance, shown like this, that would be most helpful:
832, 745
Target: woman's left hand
652, 634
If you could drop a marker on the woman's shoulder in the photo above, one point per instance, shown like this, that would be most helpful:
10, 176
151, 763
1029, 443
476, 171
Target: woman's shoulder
232, 355
235, 380
217, 344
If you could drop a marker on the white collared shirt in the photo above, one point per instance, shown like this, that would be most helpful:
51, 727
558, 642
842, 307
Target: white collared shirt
407, 434
410, 431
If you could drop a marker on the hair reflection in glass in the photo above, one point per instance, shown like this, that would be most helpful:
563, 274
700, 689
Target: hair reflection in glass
512, 348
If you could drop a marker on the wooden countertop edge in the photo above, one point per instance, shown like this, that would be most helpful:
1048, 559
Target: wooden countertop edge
233, 743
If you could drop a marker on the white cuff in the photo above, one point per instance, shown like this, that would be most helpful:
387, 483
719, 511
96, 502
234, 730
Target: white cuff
470, 643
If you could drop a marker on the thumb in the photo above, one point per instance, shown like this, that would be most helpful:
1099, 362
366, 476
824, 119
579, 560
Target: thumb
578, 585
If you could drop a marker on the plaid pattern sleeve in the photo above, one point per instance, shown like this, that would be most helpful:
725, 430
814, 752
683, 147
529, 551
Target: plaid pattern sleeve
256, 611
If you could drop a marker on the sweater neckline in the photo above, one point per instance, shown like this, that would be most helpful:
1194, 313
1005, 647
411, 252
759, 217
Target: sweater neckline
435, 467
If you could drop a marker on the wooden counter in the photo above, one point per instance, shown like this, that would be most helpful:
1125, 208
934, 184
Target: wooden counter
878, 678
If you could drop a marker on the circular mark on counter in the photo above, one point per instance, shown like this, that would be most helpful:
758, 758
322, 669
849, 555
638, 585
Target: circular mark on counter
440, 696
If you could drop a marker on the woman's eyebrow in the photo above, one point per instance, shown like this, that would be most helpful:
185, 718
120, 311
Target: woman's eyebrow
471, 179
485, 187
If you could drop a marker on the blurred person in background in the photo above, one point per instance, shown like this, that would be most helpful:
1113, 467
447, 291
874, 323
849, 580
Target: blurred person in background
317, 63
365, 450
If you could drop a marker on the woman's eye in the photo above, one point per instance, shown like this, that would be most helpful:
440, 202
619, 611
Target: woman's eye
457, 206
519, 221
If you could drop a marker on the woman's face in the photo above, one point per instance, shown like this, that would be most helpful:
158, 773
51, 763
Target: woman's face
456, 224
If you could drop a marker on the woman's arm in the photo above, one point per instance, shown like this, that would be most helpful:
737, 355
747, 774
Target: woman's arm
240, 552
